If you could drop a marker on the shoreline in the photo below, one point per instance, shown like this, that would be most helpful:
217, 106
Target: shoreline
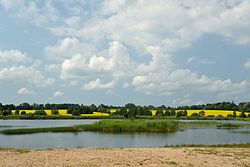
167, 156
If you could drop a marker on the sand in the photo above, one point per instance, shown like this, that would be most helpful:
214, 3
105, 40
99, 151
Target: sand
153, 157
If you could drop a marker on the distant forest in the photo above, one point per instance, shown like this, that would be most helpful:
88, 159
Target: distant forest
244, 106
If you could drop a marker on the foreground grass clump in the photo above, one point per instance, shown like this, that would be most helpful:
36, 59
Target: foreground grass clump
115, 126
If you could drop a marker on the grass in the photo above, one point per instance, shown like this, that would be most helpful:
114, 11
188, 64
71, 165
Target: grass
228, 125
115, 126
119, 126
19, 150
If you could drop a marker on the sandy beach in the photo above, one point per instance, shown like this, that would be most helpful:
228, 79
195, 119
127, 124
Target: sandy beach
183, 156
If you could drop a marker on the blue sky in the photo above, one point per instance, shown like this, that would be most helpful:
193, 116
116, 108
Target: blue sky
119, 51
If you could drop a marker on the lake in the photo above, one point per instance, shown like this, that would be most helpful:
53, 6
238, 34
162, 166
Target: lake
203, 135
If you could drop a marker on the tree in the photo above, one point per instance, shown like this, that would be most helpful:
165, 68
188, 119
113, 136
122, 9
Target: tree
17, 112
40, 112
6, 112
195, 115
159, 112
76, 113
243, 115
167, 113
246, 107
172, 113
54, 112
234, 114
23, 112
93, 108
202, 113
102, 108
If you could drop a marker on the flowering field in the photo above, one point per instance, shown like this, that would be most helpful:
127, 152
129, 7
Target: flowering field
224, 113
62, 112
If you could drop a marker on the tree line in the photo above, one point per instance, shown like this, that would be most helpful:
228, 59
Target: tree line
127, 110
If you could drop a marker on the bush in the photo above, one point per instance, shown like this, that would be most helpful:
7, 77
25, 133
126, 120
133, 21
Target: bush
195, 115
23, 112
181, 113
54, 112
202, 113
76, 113
40, 112
17, 112
230, 116
6, 112
172, 113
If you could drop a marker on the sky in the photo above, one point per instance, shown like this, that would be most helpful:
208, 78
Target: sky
155, 52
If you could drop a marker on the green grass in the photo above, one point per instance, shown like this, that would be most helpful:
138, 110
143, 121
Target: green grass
19, 150
228, 125
133, 126
114, 126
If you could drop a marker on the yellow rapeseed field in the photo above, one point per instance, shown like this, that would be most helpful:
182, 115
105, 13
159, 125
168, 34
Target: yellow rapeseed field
224, 113
61, 112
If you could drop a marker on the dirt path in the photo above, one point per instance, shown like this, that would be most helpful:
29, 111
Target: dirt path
128, 157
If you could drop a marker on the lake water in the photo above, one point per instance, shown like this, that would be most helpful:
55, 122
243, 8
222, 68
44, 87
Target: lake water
190, 135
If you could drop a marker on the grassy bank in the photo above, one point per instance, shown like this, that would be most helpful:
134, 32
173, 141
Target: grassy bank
127, 125
115, 126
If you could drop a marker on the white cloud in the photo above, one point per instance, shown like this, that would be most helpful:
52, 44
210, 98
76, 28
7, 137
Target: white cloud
155, 27
156, 78
10, 4
58, 94
25, 91
26, 74
115, 62
12, 57
66, 48
97, 84
247, 64
74, 21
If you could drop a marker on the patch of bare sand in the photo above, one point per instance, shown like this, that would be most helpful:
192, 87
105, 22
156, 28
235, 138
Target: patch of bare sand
153, 157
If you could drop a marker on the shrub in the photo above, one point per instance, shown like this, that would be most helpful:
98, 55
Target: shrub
17, 112
230, 115
181, 113
195, 115
40, 112
6, 112
202, 113
23, 112
76, 113
172, 113
54, 112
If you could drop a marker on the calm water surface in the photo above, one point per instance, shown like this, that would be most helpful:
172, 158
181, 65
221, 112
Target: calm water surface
96, 139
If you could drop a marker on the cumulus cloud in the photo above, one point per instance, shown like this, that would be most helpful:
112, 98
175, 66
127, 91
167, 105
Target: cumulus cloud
97, 84
66, 48
12, 57
25, 91
25, 74
157, 78
116, 62
153, 28
58, 94
247, 64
